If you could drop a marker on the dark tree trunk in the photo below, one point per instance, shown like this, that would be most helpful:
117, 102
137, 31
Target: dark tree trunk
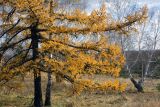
37, 90
37, 74
137, 85
48, 90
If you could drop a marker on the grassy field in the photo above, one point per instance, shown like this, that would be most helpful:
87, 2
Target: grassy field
62, 97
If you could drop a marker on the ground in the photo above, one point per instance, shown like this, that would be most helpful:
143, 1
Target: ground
62, 96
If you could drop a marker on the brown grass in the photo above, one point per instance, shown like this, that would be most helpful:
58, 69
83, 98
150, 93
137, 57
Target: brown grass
62, 97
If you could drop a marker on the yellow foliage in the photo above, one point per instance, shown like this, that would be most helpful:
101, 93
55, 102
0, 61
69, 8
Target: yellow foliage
58, 48
81, 85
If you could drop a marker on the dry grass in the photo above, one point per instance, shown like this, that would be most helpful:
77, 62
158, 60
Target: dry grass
61, 96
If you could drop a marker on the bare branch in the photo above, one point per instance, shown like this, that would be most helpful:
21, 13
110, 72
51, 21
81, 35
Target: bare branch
13, 44
17, 55
14, 25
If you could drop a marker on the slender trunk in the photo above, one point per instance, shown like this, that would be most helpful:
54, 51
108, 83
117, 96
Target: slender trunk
142, 73
148, 64
49, 84
37, 74
48, 90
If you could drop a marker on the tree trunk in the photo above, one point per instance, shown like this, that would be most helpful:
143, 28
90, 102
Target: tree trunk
38, 102
137, 85
37, 90
48, 90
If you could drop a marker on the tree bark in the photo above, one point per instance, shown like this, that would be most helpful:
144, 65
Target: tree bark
137, 85
48, 90
37, 90
38, 102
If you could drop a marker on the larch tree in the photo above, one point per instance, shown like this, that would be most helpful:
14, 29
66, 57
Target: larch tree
48, 43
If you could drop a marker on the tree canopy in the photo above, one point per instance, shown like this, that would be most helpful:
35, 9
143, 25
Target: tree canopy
37, 37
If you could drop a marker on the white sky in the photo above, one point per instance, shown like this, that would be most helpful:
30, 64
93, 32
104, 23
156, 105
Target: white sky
93, 4
150, 3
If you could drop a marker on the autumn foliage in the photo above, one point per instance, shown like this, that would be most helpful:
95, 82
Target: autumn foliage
42, 38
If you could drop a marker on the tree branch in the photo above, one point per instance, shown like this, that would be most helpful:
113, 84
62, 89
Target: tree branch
13, 44
16, 34
16, 56
14, 25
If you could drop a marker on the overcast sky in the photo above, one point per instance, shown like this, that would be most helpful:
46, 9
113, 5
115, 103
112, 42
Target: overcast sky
150, 3
93, 4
